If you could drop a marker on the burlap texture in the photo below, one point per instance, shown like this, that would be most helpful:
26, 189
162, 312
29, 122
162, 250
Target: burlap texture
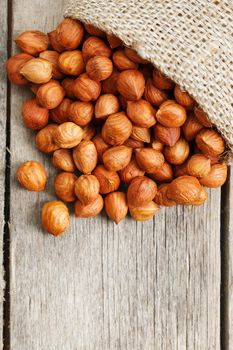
191, 41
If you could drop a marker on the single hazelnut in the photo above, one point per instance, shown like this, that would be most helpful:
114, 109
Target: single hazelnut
94, 46
114, 41
32, 42
167, 136
63, 159
64, 186
171, 114
131, 84
55, 217
14, 66
116, 129
86, 89
153, 95
89, 210
37, 70
133, 143
52, 57
88, 132
60, 114
183, 98
100, 145
161, 197
116, 206
210, 142
157, 145
67, 85
105, 105
109, 180
71, 62
178, 153
32, 176
109, 85
99, 68
122, 62
198, 165
140, 134
202, 117
50, 95
81, 113
69, 33
164, 174
54, 42
161, 81
141, 191
216, 177
202, 198
94, 30
149, 160
87, 188
191, 127
116, 158
85, 157
67, 135
141, 113
133, 56
44, 139
180, 170
144, 212
34, 116
131, 171
184, 190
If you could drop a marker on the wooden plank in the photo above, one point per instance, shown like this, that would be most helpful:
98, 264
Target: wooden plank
134, 286
3, 117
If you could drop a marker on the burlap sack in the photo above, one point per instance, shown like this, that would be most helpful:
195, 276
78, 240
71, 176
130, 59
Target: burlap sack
191, 41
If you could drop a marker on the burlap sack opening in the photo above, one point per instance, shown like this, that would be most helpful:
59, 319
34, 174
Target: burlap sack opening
189, 41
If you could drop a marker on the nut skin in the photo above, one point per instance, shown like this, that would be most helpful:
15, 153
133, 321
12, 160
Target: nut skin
131, 84
161, 81
94, 46
178, 153
140, 134
63, 160
81, 113
85, 157
109, 180
184, 190
54, 42
86, 89
67, 135
141, 113
99, 68
88, 132
203, 197
52, 57
50, 95
171, 114
191, 127
69, 33
144, 212
13, 67
141, 191
183, 98
157, 145
55, 217
123, 102
198, 165
164, 174
64, 186
133, 56
116, 206
32, 42
161, 197
167, 136
37, 70
32, 176
133, 143
109, 85
117, 129
114, 41
117, 158
60, 114
89, 210
101, 146
93, 30
149, 160
180, 170
105, 105
123, 62
130, 171
202, 117
67, 85
71, 62
210, 142
34, 116
154, 95
87, 188
216, 177
44, 139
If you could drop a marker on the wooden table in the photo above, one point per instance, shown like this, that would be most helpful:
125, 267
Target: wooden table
164, 285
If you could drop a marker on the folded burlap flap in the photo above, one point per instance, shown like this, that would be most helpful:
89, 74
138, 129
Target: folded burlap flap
191, 41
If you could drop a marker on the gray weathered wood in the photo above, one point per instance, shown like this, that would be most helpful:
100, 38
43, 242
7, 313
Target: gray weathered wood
105, 287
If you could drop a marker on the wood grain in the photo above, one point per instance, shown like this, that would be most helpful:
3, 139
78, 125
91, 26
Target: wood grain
134, 286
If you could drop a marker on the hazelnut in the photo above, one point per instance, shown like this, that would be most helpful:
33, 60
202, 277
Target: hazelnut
89, 210
161, 197
88, 132
114, 41
178, 153
109, 180
116, 129
164, 174
60, 113
141, 113
94, 46
71, 62
202, 198
180, 170
44, 139
69, 33
149, 160
122, 62
87, 188
81, 113
99, 68
158, 146
86, 89
105, 105
64, 186
161, 81
183, 98
67, 85
55, 217
140, 134
153, 95
184, 190
85, 157
32, 42
93, 30
144, 212
116, 206
54, 42
109, 85
52, 57
62, 159
133, 143
191, 127
67, 135
133, 56
210, 142
216, 177
37, 70
198, 165
32, 176
167, 136
35, 117
14, 66
171, 114
100, 145
141, 191
116, 158
131, 171
51, 94
131, 84
202, 117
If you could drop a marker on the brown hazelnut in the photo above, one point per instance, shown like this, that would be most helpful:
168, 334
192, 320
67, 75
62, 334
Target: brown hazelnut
62, 159
198, 165
131, 84
149, 160
161, 197
178, 153
116, 158
202, 117
37, 70
88, 132
109, 85
157, 145
55, 217
180, 170
183, 98
86, 89
105, 105
34, 116
67, 85
69, 33
161, 81
202, 198
171, 114
122, 62
144, 212
44, 139
153, 95
191, 127
131, 171
167, 136
116, 129
141, 113
14, 66
52, 57
54, 42
116, 206
100, 145
164, 174
184, 190
141, 191
99, 68
67, 135
32, 176
210, 142
216, 177
64, 186
140, 134
85, 157
60, 113
133, 56
87, 188
89, 210
94, 46
109, 180
114, 41
81, 113
133, 143
32, 42
71, 62
93, 30
50, 95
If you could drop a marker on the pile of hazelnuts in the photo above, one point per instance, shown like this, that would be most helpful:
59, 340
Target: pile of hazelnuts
123, 135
